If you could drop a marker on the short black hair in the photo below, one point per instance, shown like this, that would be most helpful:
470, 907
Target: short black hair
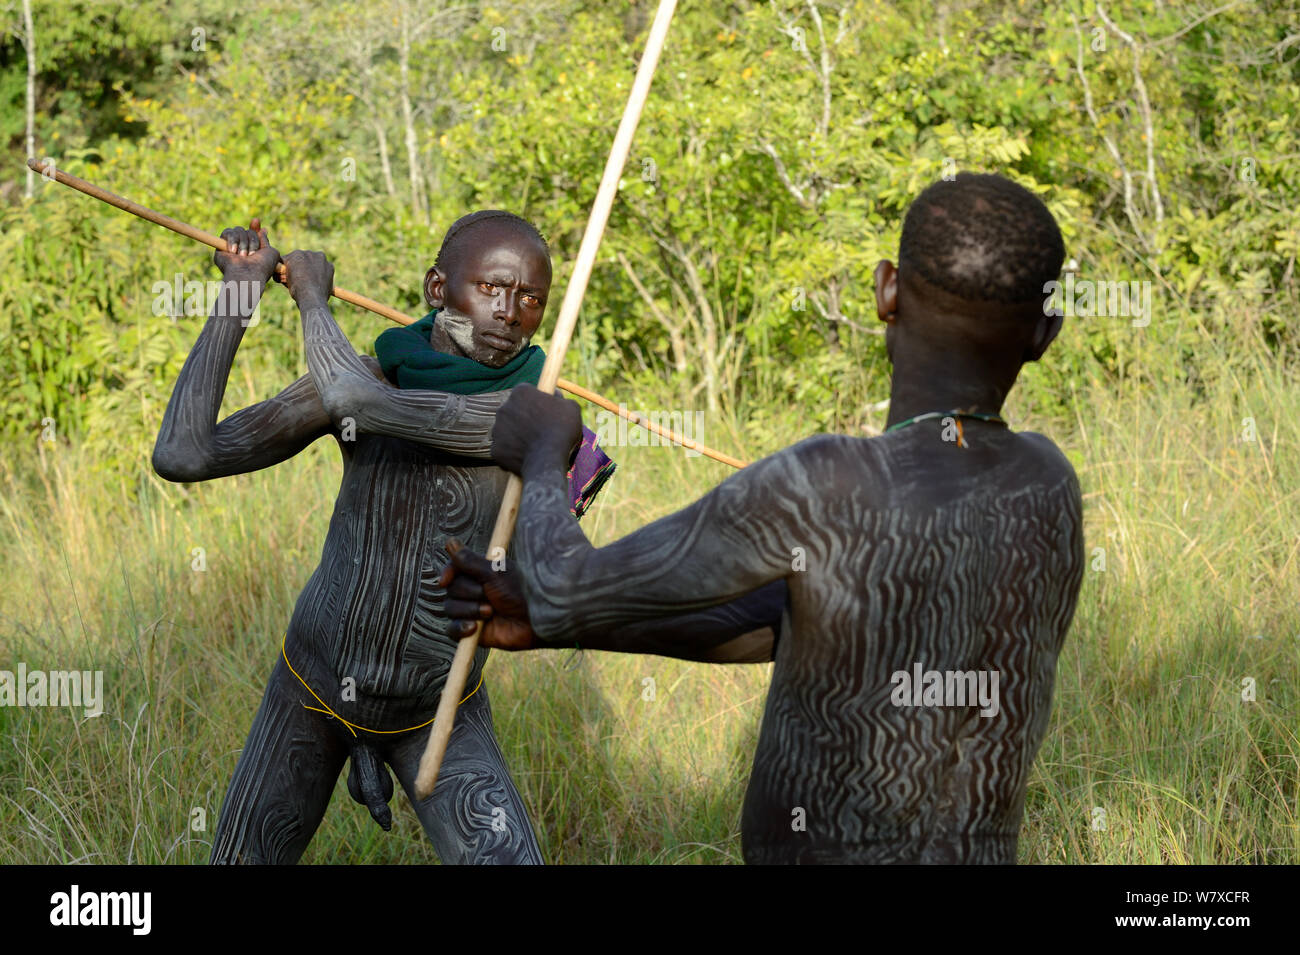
452, 241
982, 238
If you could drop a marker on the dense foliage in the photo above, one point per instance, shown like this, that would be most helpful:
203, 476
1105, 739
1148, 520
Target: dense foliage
780, 146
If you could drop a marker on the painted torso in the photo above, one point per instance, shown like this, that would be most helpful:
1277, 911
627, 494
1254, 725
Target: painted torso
372, 610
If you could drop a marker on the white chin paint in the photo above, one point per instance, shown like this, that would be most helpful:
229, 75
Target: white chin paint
460, 329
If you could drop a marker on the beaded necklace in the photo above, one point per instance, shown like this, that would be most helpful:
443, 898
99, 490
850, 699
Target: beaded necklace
956, 416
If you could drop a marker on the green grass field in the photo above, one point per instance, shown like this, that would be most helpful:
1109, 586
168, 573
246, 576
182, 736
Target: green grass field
1153, 755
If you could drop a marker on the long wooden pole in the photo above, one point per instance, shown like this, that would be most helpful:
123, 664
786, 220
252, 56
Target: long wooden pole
50, 171
440, 732
639, 419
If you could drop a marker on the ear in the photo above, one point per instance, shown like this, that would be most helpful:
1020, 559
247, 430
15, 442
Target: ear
433, 287
1045, 331
886, 291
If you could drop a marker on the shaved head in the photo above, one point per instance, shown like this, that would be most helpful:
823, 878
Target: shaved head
454, 242
981, 239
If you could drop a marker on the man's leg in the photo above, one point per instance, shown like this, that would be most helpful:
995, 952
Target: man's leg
283, 781
475, 814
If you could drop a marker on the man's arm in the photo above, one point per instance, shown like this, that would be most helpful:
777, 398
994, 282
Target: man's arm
354, 390
747, 532
191, 445
742, 631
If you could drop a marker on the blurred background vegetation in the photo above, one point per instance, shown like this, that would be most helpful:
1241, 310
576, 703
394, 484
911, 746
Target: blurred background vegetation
780, 146
772, 166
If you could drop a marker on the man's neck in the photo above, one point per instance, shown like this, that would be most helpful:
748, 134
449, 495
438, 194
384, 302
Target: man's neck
912, 395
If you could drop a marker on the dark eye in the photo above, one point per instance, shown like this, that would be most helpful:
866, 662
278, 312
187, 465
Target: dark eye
532, 301
486, 287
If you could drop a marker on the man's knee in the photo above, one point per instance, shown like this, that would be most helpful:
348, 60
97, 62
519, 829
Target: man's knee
477, 817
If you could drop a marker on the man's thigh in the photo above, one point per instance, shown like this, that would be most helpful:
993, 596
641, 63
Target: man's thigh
475, 814
283, 781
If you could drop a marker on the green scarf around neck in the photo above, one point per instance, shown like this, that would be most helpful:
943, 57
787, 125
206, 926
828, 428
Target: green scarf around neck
409, 361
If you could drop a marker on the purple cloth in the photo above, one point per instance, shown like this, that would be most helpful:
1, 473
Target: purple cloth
588, 472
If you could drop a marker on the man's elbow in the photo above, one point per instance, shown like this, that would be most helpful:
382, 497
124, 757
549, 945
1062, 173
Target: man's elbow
172, 464
346, 400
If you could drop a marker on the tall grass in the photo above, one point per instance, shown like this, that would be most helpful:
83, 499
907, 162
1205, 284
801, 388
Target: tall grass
1152, 754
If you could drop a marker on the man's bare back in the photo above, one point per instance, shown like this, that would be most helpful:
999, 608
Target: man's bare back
897, 551
932, 572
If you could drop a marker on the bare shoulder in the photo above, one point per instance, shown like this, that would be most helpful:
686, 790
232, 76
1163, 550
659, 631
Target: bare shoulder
820, 467
823, 447
821, 454
1047, 464
1044, 452
828, 466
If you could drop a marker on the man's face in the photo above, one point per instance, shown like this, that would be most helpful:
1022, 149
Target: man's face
494, 293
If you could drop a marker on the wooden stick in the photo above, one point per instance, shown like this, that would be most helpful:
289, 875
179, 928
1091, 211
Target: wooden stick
353, 298
440, 732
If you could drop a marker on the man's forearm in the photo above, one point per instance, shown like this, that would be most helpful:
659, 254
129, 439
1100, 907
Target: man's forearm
335, 366
742, 631
185, 436
577, 593
461, 424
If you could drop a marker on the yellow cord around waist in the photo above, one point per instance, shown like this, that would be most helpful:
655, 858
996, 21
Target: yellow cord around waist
353, 727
